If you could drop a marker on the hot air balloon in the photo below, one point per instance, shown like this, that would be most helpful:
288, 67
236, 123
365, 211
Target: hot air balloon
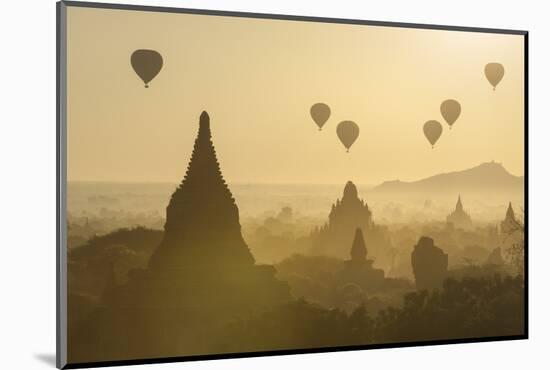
320, 112
494, 73
432, 131
146, 64
347, 132
450, 110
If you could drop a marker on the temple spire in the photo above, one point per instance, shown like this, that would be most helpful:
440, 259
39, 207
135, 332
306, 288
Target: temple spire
204, 165
350, 192
459, 218
202, 220
459, 204
510, 215
204, 120
358, 249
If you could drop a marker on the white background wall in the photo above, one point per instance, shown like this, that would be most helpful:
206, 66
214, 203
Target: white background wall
27, 194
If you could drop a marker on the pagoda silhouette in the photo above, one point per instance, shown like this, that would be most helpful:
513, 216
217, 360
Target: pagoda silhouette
510, 224
511, 230
202, 220
202, 245
358, 250
345, 217
200, 278
358, 269
459, 218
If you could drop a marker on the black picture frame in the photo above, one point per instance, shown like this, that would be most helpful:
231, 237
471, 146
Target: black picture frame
61, 161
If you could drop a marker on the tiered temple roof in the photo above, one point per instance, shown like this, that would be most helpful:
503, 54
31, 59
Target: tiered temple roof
459, 218
345, 217
202, 220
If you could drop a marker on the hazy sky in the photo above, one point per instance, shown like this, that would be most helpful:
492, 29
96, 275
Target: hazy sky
258, 78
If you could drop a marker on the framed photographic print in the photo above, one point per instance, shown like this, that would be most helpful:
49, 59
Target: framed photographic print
235, 184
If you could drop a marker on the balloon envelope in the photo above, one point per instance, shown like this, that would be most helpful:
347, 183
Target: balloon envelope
320, 112
146, 64
347, 132
432, 131
450, 110
494, 73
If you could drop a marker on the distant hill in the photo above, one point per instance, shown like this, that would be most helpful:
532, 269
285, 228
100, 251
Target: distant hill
487, 178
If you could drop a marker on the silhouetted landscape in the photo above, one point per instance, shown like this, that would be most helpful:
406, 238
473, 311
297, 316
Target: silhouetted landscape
238, 184
300, 270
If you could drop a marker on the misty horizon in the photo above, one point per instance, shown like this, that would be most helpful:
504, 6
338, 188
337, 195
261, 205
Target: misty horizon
237, 185
366, 185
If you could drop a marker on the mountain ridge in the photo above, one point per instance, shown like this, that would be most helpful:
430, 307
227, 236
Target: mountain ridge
488, 176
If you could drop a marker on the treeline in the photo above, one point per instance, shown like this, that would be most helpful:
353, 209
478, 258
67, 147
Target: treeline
468, 308
119, 309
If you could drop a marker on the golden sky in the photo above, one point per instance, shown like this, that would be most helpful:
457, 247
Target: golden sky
258, 78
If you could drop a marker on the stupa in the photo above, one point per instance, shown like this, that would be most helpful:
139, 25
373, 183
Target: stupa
510, 224
202, 220
358, 269
459, 218
201, 278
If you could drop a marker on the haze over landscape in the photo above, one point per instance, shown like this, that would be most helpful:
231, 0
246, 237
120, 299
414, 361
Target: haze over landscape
241, 185
486, 188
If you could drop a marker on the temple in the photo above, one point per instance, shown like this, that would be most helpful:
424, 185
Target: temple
358, 249
510, 223
459, 218
429, 263
350, 210
202, 246
202, 220
199, 279
359, 270
346, 215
